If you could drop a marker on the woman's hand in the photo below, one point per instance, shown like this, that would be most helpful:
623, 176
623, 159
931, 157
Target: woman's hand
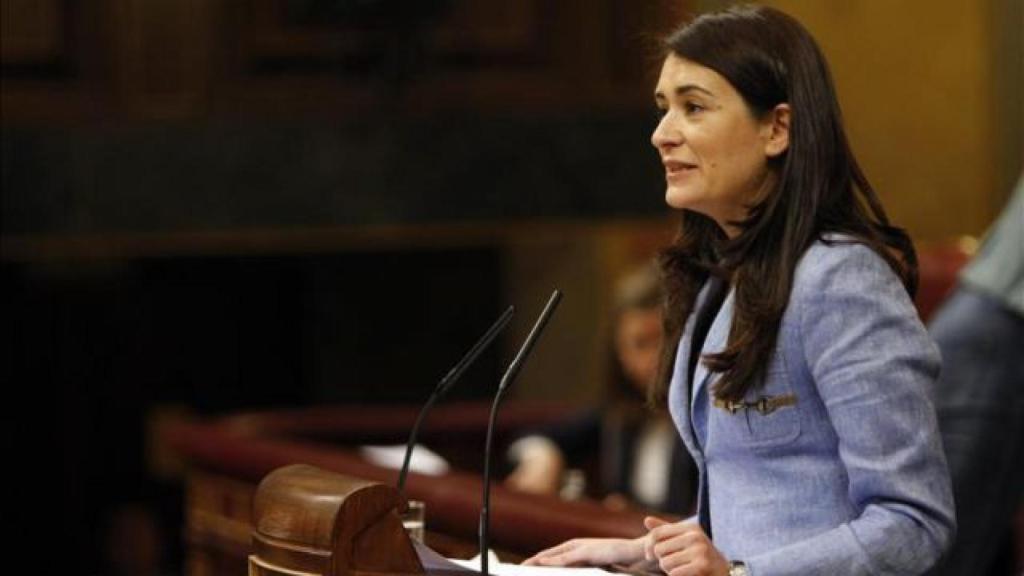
682, 549
591, 552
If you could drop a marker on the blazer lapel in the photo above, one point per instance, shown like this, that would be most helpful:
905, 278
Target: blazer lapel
716, 341
681, 374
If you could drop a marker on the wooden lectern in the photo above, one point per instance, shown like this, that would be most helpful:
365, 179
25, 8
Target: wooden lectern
310, 522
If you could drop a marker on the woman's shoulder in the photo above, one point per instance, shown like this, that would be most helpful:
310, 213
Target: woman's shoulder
845, 292
834, 251
841, 262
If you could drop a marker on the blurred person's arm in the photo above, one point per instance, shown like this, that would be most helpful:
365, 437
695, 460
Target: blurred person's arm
539, 468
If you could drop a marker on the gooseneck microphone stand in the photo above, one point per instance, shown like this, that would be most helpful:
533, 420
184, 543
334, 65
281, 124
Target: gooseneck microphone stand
510, 374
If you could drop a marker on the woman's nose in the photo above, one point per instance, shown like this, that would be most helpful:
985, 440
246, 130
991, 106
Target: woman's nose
665, 136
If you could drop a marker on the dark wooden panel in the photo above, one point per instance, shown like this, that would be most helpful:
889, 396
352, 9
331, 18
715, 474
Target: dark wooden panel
31, 32
321, 32
132, 59
189, 177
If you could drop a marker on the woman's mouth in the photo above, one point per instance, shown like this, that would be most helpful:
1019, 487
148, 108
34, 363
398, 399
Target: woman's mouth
677, 169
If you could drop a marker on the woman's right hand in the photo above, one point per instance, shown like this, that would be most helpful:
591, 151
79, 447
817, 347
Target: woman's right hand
682, 549
591, 552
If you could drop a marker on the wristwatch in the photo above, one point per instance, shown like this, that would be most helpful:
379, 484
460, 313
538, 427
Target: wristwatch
737, 568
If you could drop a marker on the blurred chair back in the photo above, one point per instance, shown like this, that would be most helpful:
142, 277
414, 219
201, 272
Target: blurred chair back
939, 266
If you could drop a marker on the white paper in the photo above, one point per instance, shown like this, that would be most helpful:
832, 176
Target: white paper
500, 569
423, 460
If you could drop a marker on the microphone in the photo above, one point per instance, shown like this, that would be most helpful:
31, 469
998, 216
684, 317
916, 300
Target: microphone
510, 374
446, 383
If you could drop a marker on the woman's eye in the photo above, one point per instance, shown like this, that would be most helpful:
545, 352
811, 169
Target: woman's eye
692, 107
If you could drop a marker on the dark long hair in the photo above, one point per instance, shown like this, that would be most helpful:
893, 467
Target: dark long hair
769, 58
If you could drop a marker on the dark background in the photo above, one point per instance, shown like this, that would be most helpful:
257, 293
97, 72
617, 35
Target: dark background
213, 206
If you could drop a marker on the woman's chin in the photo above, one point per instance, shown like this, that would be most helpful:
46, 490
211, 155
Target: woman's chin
681, 198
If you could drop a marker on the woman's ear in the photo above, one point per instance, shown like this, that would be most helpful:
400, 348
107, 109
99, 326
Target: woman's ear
777, 124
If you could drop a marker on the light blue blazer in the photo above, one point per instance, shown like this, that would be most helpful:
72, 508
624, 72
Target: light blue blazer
851, 478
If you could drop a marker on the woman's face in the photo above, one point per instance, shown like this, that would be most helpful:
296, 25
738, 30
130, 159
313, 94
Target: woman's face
638, 344
714, 150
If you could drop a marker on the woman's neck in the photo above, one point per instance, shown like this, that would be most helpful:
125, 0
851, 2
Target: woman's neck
738, 213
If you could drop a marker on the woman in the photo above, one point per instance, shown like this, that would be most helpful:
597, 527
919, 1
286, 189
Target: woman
807, 411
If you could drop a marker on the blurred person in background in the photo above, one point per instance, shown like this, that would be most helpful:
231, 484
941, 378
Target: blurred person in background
642, 461
980, 394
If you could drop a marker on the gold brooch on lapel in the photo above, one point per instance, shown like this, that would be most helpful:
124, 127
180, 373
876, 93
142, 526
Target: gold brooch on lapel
765, 404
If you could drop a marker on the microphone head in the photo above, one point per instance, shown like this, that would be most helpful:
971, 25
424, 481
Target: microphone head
531, 338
